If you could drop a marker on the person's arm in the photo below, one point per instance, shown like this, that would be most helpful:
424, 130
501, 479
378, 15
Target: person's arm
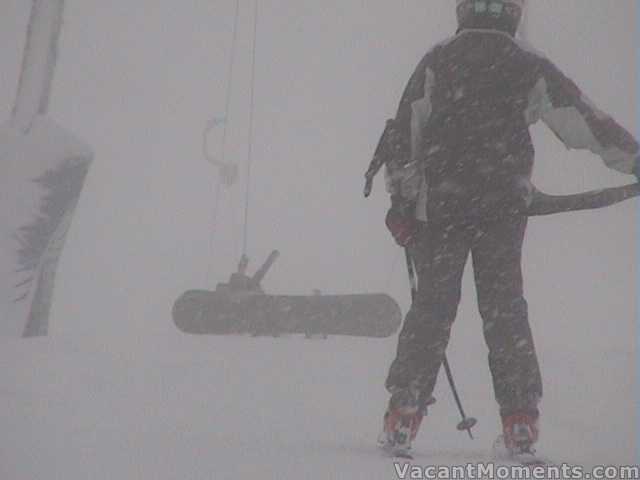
578, 123
404, 170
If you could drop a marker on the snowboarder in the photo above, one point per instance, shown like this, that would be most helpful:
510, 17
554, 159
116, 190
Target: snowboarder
458, 162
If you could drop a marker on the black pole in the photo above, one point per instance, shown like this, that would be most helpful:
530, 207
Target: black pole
544, 204
467, 423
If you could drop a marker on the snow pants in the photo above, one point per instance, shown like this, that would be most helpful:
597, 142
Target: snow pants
440, 255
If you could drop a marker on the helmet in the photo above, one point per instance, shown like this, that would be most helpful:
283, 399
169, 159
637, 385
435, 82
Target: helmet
501, 15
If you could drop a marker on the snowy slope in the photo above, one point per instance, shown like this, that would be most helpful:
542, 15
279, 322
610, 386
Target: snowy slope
211, 407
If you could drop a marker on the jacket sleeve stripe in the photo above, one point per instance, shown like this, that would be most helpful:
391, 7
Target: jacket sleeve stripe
578, 123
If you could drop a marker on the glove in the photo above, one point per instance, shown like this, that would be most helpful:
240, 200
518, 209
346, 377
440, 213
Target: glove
401, 221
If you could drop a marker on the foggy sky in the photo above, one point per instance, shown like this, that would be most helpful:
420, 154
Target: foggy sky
138, 80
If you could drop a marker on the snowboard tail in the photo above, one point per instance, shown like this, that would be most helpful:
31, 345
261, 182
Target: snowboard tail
203, 312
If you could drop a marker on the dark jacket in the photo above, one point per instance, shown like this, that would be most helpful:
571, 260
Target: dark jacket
462, 127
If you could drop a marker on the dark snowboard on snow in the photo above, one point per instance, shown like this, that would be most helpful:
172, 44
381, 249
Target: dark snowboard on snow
203, 312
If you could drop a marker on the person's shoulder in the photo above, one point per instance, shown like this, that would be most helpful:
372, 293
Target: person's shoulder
446, 41
528, 49
544, 65
432, 54
442, 45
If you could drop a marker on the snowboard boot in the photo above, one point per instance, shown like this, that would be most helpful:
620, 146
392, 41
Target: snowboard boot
519, 435
401, 422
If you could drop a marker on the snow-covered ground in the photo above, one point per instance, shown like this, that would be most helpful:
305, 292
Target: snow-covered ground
186, 407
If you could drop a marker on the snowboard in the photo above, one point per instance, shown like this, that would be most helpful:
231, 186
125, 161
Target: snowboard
204, 312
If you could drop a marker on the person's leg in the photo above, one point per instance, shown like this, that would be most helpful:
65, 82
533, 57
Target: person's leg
497, 256
440, 256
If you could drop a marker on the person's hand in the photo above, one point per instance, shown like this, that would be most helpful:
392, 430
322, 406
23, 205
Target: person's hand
401, 221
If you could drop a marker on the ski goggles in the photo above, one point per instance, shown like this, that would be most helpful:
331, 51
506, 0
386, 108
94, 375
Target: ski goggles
494, 7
